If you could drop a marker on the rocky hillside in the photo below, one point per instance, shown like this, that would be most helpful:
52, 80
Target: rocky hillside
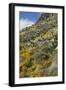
38, 48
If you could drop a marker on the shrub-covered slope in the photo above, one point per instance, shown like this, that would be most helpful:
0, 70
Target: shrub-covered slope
38, 48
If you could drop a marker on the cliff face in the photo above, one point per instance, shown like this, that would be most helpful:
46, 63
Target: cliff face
44, 16
38, 43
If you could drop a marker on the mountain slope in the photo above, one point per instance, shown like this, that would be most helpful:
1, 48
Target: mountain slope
38, 45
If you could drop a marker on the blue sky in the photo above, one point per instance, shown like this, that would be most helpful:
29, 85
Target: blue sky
28, 18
